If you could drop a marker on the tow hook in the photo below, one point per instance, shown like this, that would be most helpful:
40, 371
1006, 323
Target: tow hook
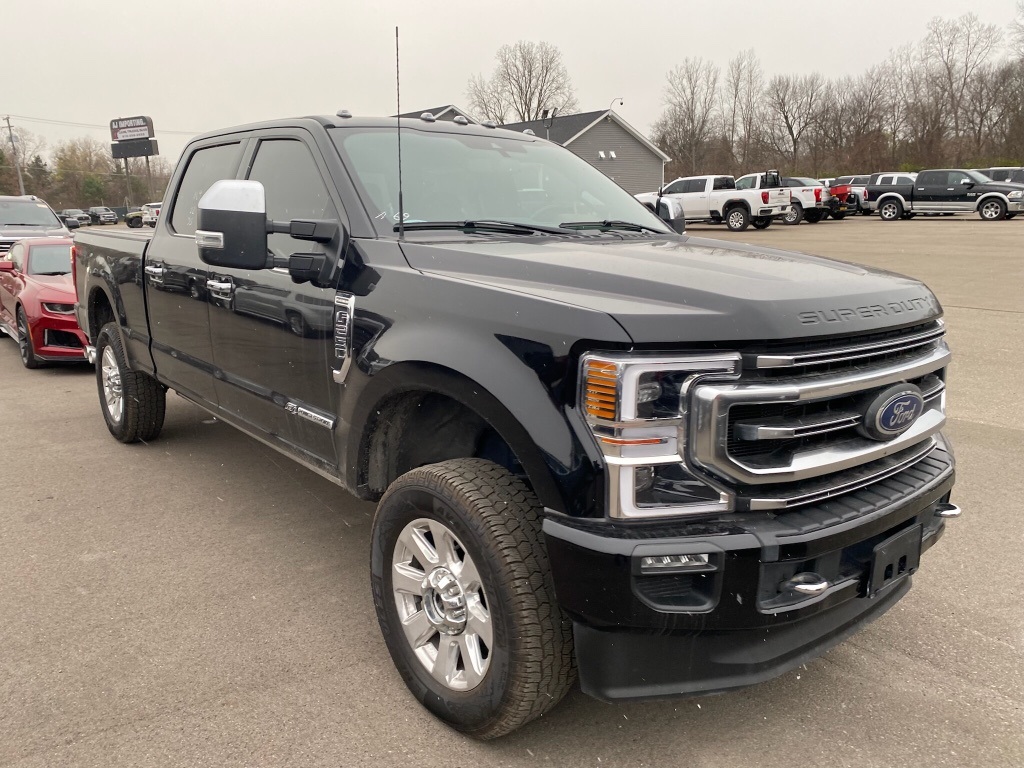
948, 511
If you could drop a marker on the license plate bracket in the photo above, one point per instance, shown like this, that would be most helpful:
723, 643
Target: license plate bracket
894, 559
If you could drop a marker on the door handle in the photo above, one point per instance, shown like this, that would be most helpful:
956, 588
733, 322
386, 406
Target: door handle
216, 285
949, 189
154, 270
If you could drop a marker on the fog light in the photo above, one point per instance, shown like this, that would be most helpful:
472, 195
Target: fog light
643, 478
676, 563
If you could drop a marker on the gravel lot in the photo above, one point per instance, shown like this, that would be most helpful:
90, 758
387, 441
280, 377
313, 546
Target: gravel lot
202, 600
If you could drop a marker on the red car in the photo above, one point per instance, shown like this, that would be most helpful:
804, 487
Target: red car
37, 301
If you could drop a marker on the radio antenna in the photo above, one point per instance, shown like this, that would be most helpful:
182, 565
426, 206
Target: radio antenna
398, 99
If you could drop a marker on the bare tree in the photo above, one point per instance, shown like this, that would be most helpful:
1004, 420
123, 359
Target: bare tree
688, 123
1017, 32
741, 106
793, 105
529, 78
959, 47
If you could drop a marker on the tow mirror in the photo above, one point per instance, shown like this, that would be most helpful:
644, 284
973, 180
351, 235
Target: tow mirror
966, 183
671, 212
232, 229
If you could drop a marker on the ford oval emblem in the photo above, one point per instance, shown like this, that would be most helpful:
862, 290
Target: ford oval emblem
892, 412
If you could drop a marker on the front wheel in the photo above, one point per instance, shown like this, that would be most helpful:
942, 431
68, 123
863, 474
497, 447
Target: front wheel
133, 403
890, 210
795, 214
25, 346
992, 210
761, 222
737, 219
463, 594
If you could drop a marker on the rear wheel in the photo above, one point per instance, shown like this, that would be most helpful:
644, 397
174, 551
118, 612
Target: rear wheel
993, 209
28, 352
463, 596
813, 216
795, 214
132, 403
839, 216
890, 210
761, 222
737, 218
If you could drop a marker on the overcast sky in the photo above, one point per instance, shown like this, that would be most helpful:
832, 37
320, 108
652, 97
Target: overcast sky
195, 65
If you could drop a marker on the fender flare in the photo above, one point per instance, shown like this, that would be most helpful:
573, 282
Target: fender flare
884, 195
423, 376
988, 196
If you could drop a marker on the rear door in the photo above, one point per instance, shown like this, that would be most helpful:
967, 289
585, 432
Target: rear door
273, 338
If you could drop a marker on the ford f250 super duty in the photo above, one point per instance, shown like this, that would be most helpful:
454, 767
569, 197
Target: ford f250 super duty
664, 464
716, 199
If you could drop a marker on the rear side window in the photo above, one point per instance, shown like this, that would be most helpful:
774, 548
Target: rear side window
886, 180
931, 178
206, 166
724, 182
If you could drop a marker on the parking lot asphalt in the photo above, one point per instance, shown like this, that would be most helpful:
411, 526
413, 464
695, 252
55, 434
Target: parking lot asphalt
203, 601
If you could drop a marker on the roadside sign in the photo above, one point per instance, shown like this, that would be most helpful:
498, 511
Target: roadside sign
136, 148
129, 128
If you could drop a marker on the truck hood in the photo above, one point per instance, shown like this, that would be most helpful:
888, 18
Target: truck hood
688, 289
11, 231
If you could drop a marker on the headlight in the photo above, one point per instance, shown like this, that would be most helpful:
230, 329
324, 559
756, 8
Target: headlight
1016, 194
59, 309
635, 408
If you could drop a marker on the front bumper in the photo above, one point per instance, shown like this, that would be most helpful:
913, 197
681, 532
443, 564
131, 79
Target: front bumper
1015, 206
644, 636
57, 338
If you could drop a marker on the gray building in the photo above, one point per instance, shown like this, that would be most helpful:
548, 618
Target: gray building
607, 142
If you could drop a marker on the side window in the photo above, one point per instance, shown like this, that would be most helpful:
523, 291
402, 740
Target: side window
675, 188
694, 185
931, 178
204, 167
295, 189
956, 177
885, 180
747, 182
724, 182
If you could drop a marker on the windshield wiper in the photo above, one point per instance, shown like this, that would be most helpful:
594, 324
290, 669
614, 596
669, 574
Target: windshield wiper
486, 225
24, 224
51, 273
611, 224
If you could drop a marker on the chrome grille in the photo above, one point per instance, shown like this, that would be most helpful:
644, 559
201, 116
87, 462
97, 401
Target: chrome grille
791, 437
5, 245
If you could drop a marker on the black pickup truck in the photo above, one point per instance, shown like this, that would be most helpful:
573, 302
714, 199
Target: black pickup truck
665, 464
943, 191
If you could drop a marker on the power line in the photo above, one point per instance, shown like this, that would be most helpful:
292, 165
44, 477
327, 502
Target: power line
50, 121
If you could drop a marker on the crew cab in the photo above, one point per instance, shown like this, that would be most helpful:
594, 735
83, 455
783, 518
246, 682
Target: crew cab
947, 191
888, 179
102, 215
811, 201
666, 464
716, 199
77, 214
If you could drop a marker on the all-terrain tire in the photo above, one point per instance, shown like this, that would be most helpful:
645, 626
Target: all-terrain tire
496, 520
143, 398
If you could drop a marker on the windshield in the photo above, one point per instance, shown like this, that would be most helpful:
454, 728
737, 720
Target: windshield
49, 260
456, 177
74, 211
30, 213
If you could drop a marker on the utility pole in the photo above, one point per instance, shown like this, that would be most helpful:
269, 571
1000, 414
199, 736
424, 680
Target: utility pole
14, 148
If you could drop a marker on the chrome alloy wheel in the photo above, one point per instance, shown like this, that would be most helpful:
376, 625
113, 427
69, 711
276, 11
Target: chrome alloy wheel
24, 341
790, 216
736, 218
992, 210
112, 393
889, 211
441, 603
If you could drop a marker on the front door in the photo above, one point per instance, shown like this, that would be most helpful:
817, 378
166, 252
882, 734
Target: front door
273, 338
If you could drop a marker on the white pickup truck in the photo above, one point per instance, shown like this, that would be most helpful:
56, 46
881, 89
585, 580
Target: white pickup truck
811, 200
716, 199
